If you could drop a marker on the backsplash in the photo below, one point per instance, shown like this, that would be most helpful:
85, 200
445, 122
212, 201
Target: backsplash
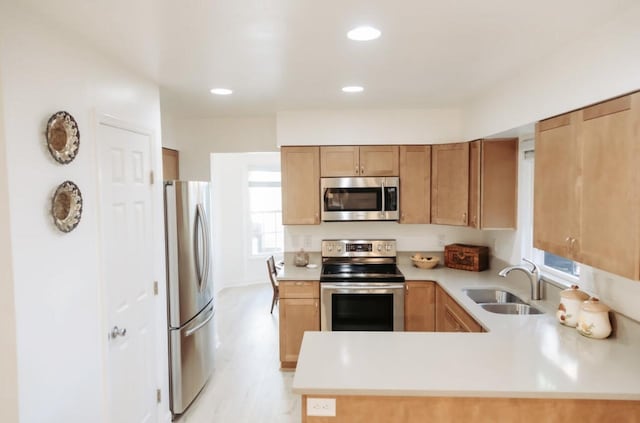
408, 237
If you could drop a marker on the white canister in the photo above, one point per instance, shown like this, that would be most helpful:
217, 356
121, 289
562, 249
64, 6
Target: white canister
593, 320
569, 308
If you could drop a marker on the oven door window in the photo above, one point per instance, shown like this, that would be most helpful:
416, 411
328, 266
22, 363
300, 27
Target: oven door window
353, 199
362, 312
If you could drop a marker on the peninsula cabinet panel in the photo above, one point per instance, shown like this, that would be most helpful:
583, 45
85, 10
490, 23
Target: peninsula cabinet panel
450, 317
493, 184
587, 186
415, 184
337, 161
450, 184
300, 185
299, 312
420, 306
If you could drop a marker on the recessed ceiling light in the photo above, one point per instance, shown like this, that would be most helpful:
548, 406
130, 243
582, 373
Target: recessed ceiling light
352, 89
221, 91
363, 33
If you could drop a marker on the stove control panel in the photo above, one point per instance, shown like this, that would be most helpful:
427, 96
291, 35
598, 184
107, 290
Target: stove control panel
359, 248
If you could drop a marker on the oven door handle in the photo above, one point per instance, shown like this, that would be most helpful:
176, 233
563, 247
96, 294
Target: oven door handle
352, 288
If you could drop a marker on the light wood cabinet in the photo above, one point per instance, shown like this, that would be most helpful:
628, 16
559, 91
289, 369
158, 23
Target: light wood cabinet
420, 306
493, 183
300, 185
450, 317
450, 184
587, 185
367, 160
170, 164
415, 184
299, 312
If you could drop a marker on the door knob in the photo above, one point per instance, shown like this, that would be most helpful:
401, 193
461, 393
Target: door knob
116, 331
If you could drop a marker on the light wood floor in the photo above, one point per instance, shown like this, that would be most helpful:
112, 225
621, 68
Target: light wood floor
247, 385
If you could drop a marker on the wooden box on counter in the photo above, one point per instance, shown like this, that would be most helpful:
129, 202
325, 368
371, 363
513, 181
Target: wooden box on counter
466, 257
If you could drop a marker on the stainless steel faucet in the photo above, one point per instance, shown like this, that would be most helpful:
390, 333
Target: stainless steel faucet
533, 274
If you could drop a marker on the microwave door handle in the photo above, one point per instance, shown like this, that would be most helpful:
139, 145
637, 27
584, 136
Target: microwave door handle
384, 207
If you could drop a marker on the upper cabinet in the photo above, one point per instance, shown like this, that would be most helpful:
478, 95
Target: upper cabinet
300, 185
587, 185
415, 184
493, 184
359, 161
449, 184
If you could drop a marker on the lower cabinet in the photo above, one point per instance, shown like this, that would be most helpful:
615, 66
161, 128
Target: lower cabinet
419, 306
450, 317
299, 307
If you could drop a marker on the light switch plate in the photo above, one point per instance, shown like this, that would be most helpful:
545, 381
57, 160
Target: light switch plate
321, 407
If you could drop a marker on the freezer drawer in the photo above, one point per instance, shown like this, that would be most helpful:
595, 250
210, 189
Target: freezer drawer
191, 350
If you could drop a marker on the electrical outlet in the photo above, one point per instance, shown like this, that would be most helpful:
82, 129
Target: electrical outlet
321, 407
442, 240
307, 242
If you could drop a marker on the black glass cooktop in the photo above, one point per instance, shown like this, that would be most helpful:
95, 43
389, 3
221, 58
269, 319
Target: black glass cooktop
352, 272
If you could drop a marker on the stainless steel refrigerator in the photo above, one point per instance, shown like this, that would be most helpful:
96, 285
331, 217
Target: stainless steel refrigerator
191, 305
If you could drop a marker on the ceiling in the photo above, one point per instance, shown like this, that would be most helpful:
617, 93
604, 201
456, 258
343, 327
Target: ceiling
293, 54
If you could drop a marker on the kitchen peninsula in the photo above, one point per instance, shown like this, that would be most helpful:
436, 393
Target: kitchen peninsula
524, 368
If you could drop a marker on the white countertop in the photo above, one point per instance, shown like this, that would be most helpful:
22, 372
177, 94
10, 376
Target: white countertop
520, 356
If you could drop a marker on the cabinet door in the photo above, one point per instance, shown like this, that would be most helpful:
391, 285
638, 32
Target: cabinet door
339, 161
300, 185
415, 184
610, 177
296, 317
475, 149
450, 317
499, 184
555, 205
420, 307
379, 160
450, 184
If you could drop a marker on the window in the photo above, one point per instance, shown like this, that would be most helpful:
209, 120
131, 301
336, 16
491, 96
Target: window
552, 265
265, 210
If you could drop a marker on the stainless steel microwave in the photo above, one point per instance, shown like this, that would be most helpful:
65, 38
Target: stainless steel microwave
360, 198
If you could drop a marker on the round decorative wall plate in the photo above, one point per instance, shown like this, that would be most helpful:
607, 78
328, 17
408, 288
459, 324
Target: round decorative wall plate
63, 137
66, 206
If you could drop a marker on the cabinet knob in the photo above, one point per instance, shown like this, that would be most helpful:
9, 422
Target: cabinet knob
464, 217
362, 170
357, 170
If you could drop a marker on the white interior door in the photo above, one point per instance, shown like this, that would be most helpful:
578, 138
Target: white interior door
126, 219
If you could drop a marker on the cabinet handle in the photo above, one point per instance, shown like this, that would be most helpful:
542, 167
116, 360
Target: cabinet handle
567, 240
464, 217
362, 170
357, 170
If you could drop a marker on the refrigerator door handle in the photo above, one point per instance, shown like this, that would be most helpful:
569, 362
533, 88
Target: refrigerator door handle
196, 247
207, 247
200, 325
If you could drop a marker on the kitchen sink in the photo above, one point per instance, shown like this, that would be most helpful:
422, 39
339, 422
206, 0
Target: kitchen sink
483, 296
510, 308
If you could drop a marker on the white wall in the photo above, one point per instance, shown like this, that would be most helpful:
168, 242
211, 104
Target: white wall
196, 139
8, 363
59, 323
233, 263
390, 126
598, 66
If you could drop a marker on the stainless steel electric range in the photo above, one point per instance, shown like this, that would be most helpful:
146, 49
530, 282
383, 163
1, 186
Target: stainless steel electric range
361, 287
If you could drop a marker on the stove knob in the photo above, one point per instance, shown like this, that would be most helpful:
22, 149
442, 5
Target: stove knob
329, 247
339, 248
379, 247
388, 247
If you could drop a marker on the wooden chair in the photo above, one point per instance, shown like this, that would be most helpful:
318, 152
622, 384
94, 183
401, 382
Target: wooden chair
271, 267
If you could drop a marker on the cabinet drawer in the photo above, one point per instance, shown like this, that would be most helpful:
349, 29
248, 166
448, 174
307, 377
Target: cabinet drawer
299, 289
